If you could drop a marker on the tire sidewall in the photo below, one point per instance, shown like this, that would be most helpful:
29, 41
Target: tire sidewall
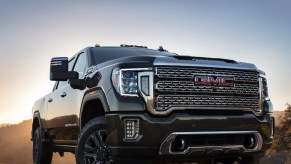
92, 126
45, 153
37, 136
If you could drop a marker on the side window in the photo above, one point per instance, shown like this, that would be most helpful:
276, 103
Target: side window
71, 63
81, 64
56, 85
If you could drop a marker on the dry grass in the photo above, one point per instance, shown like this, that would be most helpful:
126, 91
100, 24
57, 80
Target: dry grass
16, 147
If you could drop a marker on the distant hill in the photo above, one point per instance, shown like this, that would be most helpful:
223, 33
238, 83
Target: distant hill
16, 147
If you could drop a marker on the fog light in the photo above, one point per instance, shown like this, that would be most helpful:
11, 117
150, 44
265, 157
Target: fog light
131, 128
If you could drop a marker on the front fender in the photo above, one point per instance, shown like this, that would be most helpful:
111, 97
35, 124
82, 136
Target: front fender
36, 122
96, 93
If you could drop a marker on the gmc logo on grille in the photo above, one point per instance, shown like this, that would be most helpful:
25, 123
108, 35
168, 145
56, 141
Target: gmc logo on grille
213, 81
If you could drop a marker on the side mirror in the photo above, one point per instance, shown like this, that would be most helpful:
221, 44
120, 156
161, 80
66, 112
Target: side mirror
88, 82
78, 84
59, 70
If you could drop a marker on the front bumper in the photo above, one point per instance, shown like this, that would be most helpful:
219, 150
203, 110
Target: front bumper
154, 131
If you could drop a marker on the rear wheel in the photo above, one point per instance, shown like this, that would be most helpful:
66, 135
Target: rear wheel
91, 147
42, 152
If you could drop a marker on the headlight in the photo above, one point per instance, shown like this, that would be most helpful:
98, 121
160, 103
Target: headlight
115, 78
265, 93
126, 81
264, 88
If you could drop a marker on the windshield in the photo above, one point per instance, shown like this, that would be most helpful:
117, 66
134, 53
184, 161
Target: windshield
103, 54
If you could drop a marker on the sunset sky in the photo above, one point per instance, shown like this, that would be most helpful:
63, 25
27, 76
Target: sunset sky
32, 32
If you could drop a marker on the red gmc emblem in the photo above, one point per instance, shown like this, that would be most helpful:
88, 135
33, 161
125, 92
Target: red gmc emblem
213, 81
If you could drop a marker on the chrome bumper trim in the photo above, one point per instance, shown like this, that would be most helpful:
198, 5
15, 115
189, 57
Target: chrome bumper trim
166, 146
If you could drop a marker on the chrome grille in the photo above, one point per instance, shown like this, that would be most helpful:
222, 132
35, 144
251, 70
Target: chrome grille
167, 101
174, 88
188, 86
181, 72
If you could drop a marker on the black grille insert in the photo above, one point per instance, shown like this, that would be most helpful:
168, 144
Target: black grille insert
214, 139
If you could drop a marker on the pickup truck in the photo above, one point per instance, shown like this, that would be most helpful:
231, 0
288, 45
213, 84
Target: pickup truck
131, 104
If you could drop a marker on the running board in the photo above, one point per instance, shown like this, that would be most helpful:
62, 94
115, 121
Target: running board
64, 148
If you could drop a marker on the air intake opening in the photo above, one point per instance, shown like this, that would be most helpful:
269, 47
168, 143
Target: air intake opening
250, 141
182, 142
179, 145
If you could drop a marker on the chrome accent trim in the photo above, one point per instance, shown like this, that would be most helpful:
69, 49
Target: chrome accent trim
166, 146
179, 86
70, 125
199, 108
154, 111
149, 99
167, 101
267, 98
136, 69
257, 112
261, 102
90, 70
263, 75
191, 72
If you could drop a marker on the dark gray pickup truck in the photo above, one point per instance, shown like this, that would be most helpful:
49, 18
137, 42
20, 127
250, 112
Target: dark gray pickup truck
131, 104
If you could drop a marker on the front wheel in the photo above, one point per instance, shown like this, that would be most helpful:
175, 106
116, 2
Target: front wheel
42, 152
91, 147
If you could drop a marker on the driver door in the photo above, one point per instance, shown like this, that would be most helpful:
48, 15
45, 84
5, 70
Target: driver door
64, 106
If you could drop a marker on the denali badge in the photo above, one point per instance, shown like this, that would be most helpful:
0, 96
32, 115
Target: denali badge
213, 81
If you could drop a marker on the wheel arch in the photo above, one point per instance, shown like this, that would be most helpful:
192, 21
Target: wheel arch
94, 104
36, 122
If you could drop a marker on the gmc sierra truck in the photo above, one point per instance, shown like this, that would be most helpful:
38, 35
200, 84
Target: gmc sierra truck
131, 103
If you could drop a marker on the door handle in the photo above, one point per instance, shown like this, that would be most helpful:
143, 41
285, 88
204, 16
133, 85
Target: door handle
50, 100
63, 94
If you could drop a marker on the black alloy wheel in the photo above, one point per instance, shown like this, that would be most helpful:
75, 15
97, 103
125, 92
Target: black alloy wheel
91, 147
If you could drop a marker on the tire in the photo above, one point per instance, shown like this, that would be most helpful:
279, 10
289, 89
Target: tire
42, 152
91, 145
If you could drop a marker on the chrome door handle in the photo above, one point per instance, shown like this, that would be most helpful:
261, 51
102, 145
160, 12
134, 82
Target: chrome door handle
63, 94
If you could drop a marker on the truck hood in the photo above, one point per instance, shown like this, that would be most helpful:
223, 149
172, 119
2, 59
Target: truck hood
203, 62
